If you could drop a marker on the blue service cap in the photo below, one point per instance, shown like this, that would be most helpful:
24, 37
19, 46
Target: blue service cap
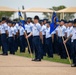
65, 21
45, 19
62, 20
29, 18
13, 22
36, 17
70, 21
48, 22
74, 21
9, 21
3, 18
40, 20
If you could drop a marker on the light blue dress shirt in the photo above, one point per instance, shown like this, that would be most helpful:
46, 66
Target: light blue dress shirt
36, 29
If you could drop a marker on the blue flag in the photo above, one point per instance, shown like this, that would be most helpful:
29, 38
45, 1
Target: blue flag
22, 21
54, 24
19, 13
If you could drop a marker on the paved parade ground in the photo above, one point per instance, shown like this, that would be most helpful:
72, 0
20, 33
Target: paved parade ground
16, 65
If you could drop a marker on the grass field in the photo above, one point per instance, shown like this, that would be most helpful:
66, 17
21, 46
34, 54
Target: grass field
56, 58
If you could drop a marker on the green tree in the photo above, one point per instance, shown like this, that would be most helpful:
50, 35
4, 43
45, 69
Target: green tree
58, 8
8, 14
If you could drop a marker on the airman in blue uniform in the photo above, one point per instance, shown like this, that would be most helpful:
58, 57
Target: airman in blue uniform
28, 29
48, 41
60, 31
67, 33
37, 37
11, 37
4, 32
73, 40
21, 32
0, 35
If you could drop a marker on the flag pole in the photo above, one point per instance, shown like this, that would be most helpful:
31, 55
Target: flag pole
27, 39
67, 51
29, 48
66, 48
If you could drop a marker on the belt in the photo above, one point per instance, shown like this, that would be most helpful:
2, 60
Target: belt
36, 36
10, 37
21, 35
3, 34
60, 36
49, 38
74, 40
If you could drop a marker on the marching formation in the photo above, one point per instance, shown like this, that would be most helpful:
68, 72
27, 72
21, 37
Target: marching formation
41, 41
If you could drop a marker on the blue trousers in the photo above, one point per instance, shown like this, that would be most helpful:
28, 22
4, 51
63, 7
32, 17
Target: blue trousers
4, 43
22, 43
49, 48
37, 47
11, 45
16, 43
31, 44
0, 41
61, 48
55, 45
43, 46
68, 44
74, 51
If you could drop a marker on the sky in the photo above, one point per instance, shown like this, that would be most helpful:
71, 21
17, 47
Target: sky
36, 3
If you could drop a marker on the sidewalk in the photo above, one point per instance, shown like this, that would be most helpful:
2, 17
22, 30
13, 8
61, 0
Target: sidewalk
16, 65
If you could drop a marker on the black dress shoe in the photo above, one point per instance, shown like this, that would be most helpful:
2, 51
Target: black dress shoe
73, 65
34, 59
2, 54
5, 54
38, 60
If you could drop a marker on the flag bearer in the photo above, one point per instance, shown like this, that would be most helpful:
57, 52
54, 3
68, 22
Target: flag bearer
73, 38
28, 28
68, 32
60, 31
37, 37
